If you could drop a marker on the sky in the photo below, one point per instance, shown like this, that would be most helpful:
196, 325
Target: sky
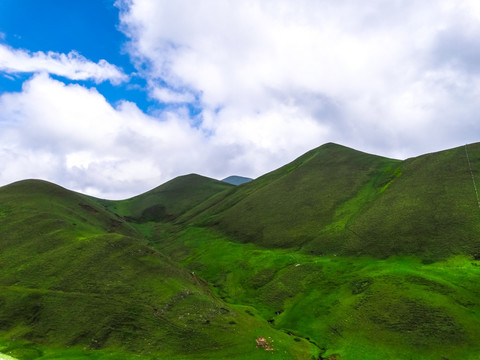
113, 98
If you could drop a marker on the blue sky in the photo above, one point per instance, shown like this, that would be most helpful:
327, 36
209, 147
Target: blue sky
113, 98
88, 26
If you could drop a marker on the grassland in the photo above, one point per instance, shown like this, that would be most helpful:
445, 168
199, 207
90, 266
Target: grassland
356, 307
74, 274
337, 255
335, 200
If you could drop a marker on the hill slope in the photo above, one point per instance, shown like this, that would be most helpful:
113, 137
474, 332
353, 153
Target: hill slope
72, 273
370, 258
337, 200
167, 201
315, 257
290, 206
429, 208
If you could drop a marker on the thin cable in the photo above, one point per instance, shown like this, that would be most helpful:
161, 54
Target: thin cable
473, 177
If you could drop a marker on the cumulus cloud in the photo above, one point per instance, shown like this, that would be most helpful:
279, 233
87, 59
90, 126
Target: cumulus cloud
165, 95
394, 78
71, 135
72, 65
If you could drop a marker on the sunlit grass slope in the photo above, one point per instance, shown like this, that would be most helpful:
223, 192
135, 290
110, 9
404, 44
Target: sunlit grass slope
429, 208
352, 308
335, 200
72, 273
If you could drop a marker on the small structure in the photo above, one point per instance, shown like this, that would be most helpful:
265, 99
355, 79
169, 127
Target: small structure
263, 343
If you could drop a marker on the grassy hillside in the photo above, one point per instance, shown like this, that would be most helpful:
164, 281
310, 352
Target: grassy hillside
289, 207
74, 274
352, 308
337, 255
367, 257
335, 200
428, 208
167, 201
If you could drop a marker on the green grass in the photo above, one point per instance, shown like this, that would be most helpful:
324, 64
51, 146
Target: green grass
337, 255
414, 310
335, 200
68, 278
168, 201
24, 350
291, 206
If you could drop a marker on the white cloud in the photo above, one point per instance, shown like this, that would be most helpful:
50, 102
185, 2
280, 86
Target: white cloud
266, 141
72, 136
271, 80
72, 65
384, 73
166, 95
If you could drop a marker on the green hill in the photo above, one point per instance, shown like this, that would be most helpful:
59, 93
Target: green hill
167, 201
291, 206
72, 273
335, 200
429, 208
310, 246
337, 255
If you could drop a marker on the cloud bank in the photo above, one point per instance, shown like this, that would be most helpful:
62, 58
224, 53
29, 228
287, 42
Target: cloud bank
73, 136
399, 78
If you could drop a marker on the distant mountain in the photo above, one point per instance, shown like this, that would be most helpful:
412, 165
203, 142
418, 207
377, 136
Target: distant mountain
237, 180
337, 255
